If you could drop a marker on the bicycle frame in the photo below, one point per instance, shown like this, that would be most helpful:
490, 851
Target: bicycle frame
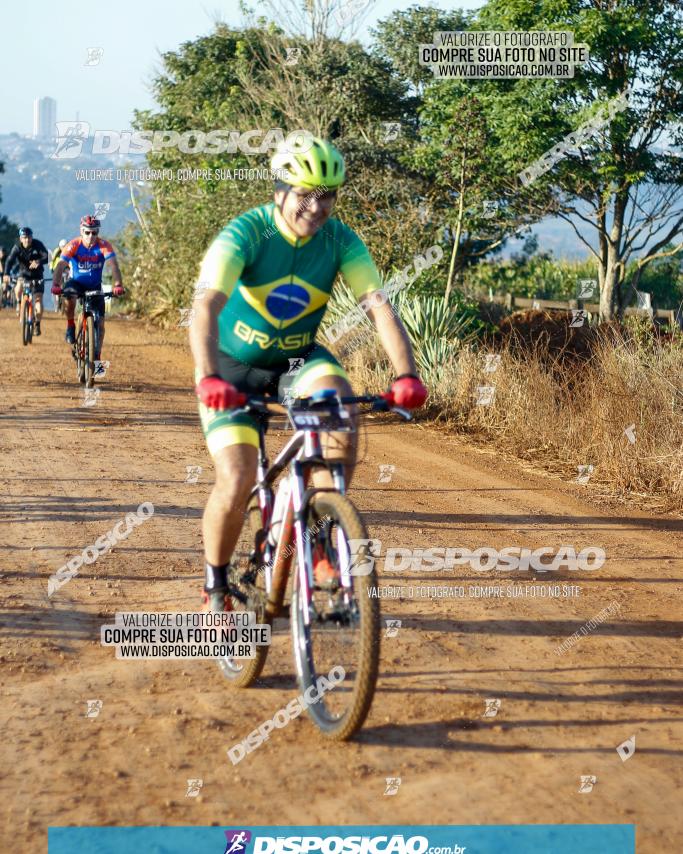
303, 450
86, 309
27, 297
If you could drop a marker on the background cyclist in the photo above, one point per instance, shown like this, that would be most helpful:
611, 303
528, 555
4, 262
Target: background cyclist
85, 256
29, 255
266, 280
56, 255
5, 287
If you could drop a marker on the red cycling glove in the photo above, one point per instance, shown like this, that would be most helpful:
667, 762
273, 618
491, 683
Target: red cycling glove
216, 393
406, 391
118, 291
56, 290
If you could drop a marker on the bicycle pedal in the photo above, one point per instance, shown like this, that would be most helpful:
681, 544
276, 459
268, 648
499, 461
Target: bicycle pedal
340, 616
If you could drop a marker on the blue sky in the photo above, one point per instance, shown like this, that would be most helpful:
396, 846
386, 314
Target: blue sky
44, 49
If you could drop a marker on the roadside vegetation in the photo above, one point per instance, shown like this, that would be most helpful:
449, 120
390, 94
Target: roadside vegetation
609, 397
434, 162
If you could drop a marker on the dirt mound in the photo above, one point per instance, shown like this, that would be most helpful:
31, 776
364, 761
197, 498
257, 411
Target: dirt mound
550, 335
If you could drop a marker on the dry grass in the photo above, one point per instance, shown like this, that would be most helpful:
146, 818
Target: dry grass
563, 413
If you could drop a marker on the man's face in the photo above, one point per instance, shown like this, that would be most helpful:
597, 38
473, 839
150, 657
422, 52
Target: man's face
89, 235
25, 240
306, 211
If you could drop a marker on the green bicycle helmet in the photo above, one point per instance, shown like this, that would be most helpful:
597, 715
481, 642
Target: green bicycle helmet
311, 163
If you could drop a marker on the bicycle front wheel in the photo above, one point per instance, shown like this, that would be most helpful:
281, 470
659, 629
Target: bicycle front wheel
342, 634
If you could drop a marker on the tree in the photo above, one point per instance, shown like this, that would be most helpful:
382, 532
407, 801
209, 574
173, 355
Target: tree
456, 151
241, 80
622, 192
397, 38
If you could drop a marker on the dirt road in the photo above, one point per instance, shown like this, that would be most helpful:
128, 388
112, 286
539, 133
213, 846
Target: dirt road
70, 472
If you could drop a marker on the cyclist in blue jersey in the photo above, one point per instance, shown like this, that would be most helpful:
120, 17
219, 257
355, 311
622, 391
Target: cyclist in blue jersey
86, 256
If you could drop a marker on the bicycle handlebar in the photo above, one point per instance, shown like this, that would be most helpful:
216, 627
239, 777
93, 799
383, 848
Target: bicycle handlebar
272, 406
71, 292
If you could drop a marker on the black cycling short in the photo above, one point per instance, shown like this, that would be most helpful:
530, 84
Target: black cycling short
225, 427
80, 288
249, 379
37, 285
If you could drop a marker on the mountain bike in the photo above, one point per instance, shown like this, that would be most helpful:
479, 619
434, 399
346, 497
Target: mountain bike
334, 616
87, 345
27, 311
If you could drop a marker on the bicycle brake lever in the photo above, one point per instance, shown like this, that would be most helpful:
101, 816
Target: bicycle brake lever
404, 413
242, 410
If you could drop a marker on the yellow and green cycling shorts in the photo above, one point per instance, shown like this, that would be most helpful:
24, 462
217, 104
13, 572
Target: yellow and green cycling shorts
223, 428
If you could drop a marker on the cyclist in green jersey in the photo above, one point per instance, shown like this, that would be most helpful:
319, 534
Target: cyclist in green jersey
265, 282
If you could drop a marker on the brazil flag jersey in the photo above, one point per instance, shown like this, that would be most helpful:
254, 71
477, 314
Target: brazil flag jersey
278, 284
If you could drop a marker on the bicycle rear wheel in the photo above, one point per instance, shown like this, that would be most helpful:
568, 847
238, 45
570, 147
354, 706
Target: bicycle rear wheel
344, 627
89, 351
250, 585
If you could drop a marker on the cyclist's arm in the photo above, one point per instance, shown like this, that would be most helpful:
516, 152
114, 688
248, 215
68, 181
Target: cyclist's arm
44, 254
110, 256
394, 338
204, 332
58, 271
65, 258
221, 268
361, 275
115, 271
11, 261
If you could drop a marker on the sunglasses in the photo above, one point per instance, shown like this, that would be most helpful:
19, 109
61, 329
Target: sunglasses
85, 231
311, 196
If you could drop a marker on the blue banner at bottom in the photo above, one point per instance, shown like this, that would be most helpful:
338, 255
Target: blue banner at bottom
389, 839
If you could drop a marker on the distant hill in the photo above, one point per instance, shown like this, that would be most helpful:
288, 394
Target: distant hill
554, 235
45, 194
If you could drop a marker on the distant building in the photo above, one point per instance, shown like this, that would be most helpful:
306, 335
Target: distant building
44, 118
